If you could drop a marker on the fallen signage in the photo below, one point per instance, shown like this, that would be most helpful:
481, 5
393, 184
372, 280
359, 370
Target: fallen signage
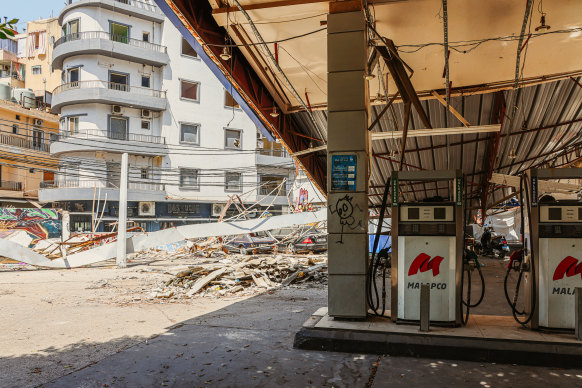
143, 241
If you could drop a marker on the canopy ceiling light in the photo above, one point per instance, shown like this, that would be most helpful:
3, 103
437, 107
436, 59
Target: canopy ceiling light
225, 56
274, 113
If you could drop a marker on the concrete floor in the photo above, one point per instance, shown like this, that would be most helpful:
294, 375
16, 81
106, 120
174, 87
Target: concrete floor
244, 343
249, 344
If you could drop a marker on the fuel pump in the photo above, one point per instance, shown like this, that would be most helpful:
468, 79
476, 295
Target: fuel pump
549, 264
427, 247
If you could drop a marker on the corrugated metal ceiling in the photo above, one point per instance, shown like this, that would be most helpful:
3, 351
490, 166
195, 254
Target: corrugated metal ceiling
522, 143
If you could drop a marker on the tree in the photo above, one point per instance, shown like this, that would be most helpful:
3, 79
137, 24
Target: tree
7, 29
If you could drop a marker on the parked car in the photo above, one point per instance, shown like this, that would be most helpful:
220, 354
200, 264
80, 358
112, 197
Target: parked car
251, 243
304, 239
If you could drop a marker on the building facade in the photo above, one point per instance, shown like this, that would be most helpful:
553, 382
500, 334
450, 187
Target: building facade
130, 83
25, 159
34, 53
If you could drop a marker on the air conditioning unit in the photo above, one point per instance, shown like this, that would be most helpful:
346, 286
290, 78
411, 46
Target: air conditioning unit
38, 122
217, 209
146, 113
116, 109
147, 209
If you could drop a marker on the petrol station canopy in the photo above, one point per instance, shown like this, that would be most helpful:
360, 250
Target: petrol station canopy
514, 72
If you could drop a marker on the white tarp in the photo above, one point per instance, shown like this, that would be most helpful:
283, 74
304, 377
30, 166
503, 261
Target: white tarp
507, 224
151, 240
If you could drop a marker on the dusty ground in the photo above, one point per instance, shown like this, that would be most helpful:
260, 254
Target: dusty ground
86, 328
56, 321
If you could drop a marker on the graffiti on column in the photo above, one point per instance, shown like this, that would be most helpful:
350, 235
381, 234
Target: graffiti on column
40, 224
345, 211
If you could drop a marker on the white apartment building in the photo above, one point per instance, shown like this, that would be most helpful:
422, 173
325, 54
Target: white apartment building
131, 83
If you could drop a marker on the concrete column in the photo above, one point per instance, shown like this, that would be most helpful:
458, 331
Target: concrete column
122, 222
65, 231
347, 166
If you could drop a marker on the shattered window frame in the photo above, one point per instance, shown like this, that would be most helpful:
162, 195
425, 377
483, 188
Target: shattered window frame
226, 138
189, 173
230, 186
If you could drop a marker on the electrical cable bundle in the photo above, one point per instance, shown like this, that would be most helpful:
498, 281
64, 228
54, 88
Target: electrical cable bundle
372, 288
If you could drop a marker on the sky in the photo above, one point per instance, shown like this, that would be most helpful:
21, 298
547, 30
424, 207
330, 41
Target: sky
27, 10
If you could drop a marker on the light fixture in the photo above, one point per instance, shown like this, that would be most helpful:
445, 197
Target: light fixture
225, 56
512, 154
379, 100
274, 113
368, 76
543, 25
393, 153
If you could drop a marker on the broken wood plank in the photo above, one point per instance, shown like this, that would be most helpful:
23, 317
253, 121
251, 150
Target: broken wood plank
200, 283
451, 109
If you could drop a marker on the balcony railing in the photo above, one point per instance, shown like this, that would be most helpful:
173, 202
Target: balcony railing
109, 85
103, 183
144, 5
278, 152
116, 38
24, 142
10, 185
96, 133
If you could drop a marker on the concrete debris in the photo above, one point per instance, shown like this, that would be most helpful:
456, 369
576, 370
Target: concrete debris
241, 274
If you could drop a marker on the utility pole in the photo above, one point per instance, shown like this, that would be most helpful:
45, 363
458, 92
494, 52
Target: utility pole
122, 221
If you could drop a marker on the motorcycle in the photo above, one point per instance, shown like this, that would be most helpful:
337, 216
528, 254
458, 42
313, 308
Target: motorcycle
492, 244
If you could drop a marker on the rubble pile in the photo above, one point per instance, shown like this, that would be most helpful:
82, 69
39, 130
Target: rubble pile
240, 275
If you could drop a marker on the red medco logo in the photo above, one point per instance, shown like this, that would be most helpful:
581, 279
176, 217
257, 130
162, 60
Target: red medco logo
568, 267
423, 263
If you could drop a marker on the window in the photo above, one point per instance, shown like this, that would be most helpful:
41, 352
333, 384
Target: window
233, 181
229, 101
119, 32
145, 81
18, 117
113, 174
117, 128
73, 75
38, 139
53, 137
189, 179
119, 81
189, 133
188, 50
270, 183
15, 129
145, 173
232, 139
73, 124
145, 124
71, 28
189, 90
145, 36
36, 70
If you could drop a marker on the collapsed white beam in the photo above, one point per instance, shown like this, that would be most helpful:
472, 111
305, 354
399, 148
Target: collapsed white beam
437, 132
142, 241
310, 150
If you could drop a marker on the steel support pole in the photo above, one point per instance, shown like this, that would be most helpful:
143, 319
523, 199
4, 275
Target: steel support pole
122, 222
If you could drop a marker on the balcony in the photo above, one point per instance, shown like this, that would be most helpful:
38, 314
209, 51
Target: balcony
104, 92
26, 142
98, 140
142, 9
79, 190
10, 186
270, 156
100, 42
